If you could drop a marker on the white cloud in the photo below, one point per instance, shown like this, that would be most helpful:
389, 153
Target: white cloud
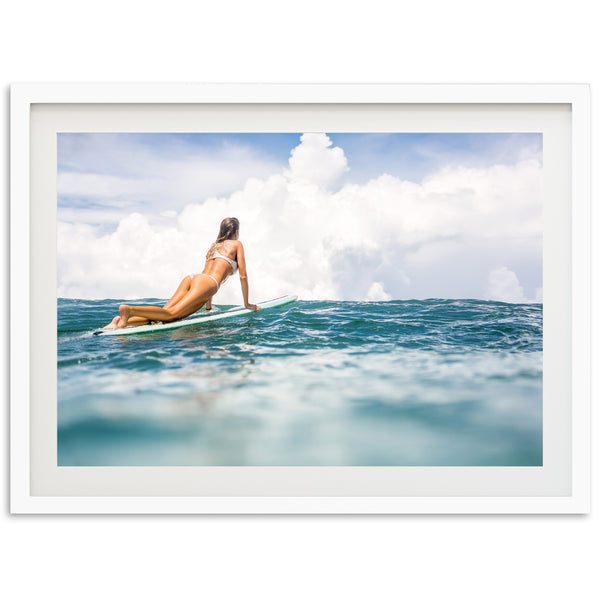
377, 293
134, 261
503, 286
314, 161
386, 239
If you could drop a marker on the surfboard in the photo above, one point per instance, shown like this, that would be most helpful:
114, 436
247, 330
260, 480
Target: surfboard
197, 318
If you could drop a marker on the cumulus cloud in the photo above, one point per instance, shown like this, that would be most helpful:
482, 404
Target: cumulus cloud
136, 260
314, 161
503, 286
385, 239
377, 293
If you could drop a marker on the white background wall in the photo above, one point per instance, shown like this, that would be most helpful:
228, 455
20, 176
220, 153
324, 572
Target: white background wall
514, 41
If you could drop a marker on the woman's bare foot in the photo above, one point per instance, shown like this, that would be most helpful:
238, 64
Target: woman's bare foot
113, 323
124, 314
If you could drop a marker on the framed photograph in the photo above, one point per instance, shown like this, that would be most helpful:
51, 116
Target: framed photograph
300, 298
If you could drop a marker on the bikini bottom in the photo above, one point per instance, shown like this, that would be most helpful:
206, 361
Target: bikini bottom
192, 275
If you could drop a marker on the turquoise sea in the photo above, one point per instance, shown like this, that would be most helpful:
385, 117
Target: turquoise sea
419, 382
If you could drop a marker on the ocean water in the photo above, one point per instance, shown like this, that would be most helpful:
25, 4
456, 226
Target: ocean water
406, 383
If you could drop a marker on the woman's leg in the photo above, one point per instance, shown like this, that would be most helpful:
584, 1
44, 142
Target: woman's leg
133, 321
179, 294
201, 289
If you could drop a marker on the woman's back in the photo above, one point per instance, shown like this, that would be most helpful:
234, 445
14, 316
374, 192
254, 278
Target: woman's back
221, 259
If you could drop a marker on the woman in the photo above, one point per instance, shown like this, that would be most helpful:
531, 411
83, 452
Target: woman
223, 259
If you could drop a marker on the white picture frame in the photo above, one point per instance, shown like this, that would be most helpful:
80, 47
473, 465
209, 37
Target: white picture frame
563, 483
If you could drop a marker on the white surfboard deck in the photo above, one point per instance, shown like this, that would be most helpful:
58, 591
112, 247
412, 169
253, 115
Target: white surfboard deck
197, 318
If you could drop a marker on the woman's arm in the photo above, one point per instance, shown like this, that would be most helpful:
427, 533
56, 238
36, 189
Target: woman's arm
241, 261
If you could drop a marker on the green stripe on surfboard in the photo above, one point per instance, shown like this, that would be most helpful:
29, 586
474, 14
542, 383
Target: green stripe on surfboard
197, 319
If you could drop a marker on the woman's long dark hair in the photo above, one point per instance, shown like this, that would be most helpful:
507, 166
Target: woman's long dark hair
229, 227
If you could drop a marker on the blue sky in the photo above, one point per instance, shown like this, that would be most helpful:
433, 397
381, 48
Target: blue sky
410, 156
403, 203
413, 156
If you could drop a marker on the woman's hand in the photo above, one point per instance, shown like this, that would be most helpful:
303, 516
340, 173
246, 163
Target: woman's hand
252, 307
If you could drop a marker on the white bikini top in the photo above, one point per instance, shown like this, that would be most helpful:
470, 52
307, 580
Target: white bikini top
232, 262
